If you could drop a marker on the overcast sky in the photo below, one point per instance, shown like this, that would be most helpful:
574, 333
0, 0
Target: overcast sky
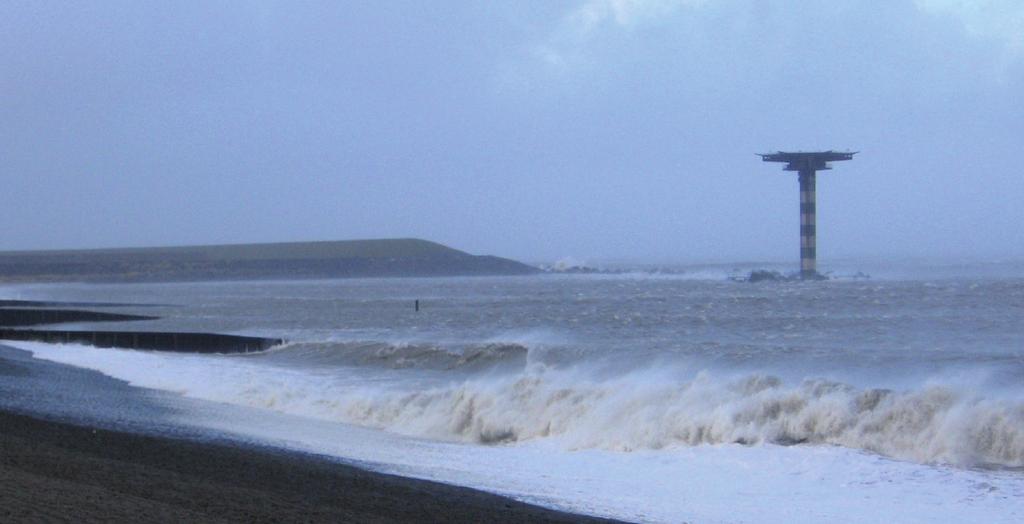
593, 129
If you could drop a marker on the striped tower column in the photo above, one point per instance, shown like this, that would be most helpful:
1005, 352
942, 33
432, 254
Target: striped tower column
808, 241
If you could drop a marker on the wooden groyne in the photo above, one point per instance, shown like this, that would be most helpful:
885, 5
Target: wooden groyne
13, 317
24, 313
151, 340
8, 303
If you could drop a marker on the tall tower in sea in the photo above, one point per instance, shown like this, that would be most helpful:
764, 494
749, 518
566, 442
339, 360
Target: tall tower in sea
807, 165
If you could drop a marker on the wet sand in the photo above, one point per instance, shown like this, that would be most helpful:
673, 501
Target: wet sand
59, 463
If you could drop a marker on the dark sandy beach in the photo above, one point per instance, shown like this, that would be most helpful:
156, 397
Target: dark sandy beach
76, 446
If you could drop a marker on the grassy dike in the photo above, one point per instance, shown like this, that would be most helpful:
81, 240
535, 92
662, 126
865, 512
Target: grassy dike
292, 260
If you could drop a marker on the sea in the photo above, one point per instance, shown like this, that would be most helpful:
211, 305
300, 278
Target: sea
893, 392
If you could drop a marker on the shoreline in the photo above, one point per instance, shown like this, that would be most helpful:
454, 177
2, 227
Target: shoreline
120, 459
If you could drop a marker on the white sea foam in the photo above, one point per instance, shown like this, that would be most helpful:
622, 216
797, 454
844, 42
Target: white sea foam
570, 431
935, 424
649, 410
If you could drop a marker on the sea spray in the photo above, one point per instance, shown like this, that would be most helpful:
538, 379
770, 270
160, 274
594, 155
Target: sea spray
639, 410
933, 424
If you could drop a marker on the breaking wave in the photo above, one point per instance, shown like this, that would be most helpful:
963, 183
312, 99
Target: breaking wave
932, 425
638, 410
425, 356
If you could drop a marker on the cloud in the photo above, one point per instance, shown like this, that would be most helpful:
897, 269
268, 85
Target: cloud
593, 14
999, 19
583, 23
588, 39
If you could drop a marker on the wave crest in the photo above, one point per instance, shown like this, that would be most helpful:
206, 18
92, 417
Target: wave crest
401, 355
932, 425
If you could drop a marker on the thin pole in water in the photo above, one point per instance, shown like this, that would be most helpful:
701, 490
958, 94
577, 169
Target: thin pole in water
417, 304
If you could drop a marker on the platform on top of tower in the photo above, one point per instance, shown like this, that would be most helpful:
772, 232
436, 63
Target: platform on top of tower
807, 160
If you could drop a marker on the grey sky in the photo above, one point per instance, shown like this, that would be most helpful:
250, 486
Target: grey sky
593, 128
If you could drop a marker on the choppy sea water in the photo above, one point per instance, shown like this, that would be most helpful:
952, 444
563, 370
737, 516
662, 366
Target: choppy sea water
666, 397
